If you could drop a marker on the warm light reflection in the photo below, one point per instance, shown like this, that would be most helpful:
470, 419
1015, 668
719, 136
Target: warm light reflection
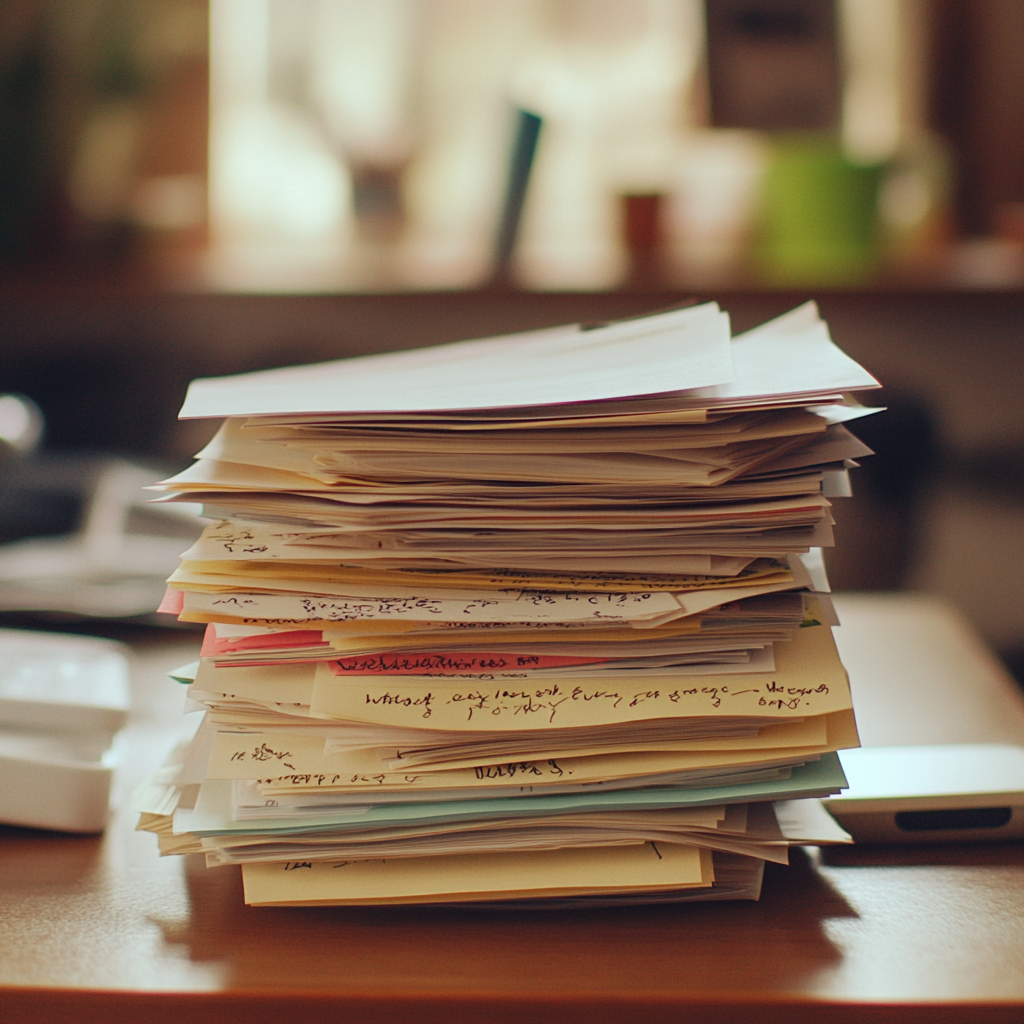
367, 145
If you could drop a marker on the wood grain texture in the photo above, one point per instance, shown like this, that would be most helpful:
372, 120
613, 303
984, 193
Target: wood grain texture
101, 928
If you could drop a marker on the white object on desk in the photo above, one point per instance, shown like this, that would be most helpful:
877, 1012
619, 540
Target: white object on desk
62, 700
955, 792
920, 675
941, 721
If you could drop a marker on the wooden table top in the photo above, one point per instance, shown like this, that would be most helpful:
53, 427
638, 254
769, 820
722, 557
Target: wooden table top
101, 928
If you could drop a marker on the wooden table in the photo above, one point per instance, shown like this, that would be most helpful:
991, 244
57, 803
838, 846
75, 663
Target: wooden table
102, 929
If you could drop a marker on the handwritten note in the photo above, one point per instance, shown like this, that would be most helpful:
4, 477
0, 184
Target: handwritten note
240, 755
417, 663
436, 581
809, 680
602, 869
526, 606
282, 763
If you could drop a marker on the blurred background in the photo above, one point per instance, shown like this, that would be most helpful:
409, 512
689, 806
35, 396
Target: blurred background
191, 188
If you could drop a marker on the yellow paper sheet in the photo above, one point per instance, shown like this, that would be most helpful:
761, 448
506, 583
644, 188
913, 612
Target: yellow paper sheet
639, 868
286, 684
808, 680
809, 732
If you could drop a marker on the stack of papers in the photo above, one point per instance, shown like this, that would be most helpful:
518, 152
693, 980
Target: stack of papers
537, 619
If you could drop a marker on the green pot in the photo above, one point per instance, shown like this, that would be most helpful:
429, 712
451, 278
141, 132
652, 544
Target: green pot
818, 216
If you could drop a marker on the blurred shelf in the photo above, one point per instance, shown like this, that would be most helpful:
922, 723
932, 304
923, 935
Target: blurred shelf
976, 266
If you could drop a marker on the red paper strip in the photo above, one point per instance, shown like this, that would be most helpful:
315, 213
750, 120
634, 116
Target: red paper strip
173, 602
285, 640
416, 663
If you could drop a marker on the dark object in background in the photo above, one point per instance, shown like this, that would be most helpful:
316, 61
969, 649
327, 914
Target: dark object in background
773, 64
377, 201
880, 525
904, 441
523, 150
976, 103
114, 388
24, 172
80, 540
642, 217
1014, 660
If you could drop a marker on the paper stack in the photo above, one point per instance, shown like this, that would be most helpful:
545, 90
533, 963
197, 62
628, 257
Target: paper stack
539, 618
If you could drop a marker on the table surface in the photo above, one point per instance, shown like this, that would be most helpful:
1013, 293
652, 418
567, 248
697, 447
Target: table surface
100, 927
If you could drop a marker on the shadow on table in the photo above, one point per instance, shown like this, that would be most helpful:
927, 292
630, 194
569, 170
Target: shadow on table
924, 855
728, 946
36, 859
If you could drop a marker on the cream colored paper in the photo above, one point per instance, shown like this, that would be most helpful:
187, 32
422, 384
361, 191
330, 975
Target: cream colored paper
367, 635
251, 753
281, 575
230, 541
483, 607
534, 776
252, 436
214, 477
294, 762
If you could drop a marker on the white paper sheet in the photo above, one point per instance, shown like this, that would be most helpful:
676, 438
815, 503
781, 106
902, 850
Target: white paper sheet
672, 351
